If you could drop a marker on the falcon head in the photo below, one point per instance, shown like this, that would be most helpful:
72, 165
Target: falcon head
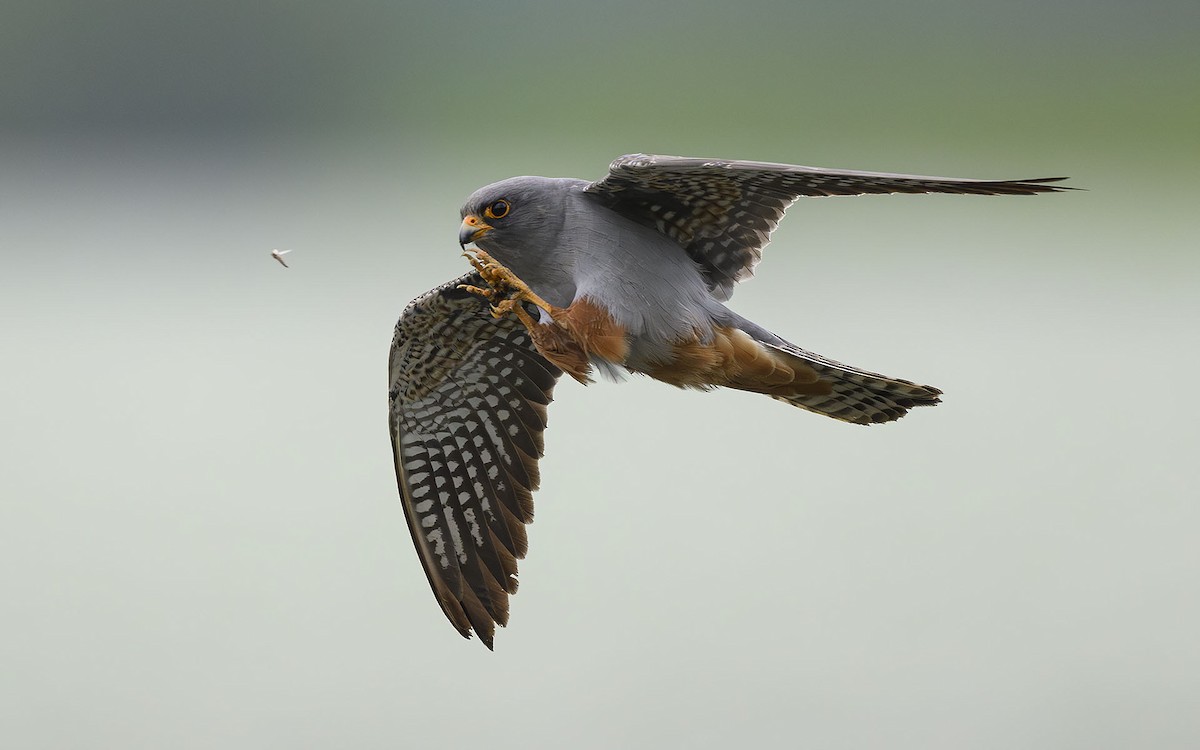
521, 215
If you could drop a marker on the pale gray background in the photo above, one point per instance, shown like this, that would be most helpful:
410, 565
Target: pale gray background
200, 540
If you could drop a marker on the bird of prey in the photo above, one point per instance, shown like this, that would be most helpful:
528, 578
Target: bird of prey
631, 273
278, 255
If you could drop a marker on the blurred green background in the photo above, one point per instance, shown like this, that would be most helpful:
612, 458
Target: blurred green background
200, 539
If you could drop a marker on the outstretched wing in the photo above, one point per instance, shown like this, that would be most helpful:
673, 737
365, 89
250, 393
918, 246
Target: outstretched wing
723, 212
468, 396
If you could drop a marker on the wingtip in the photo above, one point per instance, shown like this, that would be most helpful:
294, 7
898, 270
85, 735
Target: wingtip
1040, 185
469, 634
487, 639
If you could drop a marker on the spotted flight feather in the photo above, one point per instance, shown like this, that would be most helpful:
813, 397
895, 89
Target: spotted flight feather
467, 407
723, 212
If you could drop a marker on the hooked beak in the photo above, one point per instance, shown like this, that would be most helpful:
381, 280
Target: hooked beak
473, 228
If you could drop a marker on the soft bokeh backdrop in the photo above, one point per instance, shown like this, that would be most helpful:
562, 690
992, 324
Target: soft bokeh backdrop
200, 541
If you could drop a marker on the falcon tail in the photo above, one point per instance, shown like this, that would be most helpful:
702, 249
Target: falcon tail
748, 358
852, 395
745, 356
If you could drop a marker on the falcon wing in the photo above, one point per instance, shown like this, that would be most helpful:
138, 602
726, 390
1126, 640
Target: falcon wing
723, 212
468, 396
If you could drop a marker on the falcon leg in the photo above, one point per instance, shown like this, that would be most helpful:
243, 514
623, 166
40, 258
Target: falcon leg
555, 342
505, 287
513, 305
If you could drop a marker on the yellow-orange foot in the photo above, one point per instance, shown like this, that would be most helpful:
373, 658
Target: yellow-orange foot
506, 292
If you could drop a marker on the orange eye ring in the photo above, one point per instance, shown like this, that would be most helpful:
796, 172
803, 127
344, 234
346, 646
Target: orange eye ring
498, 210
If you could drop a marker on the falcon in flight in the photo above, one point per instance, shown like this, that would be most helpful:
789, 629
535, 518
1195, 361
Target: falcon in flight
629, 273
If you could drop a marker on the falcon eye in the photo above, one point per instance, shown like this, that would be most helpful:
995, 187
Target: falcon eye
497, 210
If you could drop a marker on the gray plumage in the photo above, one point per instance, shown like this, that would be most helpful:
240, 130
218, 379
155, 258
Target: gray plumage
583, 249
